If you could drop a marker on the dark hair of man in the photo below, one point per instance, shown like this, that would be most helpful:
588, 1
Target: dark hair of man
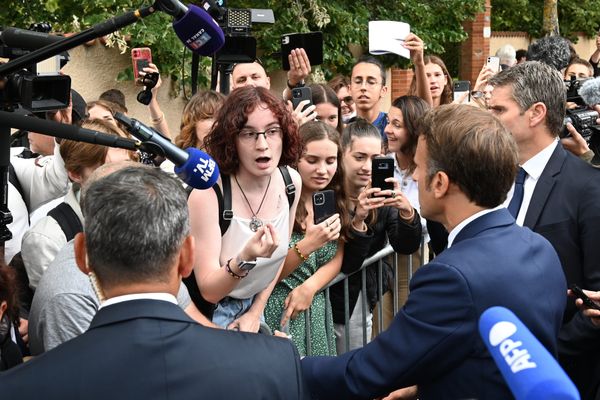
551, 50
521, 53
474, 149
358, 129
581, 61
338, 82
114, 96
313, 131
412, 108
135, 222
9, 292
325, 94
231, 118
365, 58
535, 82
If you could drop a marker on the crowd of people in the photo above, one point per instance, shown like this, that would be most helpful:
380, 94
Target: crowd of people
168, 291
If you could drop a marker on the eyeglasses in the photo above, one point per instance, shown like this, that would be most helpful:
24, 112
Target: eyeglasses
348, 100
249, 136
370, 83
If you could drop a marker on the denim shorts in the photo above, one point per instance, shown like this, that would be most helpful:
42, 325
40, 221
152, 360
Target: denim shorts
230, 309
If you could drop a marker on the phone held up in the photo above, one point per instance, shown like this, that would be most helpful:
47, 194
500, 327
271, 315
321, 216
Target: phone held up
462, 89
299, 94
323, 205
493, 63
140, 57
589, 303
381, 169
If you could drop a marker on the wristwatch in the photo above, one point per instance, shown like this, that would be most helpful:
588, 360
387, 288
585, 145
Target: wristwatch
477, 94
245, 266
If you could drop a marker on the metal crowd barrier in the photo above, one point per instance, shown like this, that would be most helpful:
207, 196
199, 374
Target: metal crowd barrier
378, 258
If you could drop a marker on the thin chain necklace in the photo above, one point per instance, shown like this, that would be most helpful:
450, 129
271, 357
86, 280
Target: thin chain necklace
255, 222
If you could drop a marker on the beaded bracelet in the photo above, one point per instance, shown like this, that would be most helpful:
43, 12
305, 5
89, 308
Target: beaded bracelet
233, 274
297, 250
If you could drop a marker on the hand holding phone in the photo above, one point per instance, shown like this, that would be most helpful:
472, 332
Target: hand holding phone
587, 302
299, 94
493, 63
141, 57
462, 91
381, 169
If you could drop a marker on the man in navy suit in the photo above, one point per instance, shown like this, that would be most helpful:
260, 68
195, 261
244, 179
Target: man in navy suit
141, 345
465, 164
560, 200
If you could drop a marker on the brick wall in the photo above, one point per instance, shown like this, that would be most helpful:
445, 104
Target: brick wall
475, 50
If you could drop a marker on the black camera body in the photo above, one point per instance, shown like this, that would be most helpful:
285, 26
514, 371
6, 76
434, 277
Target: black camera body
26, 88
584, 121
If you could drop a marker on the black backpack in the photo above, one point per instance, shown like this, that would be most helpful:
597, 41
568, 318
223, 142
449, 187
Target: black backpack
225, 216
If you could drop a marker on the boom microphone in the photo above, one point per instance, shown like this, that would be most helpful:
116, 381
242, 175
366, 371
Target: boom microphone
193, 166
70, 132
198, 31
27, 40
590, 91
527, 367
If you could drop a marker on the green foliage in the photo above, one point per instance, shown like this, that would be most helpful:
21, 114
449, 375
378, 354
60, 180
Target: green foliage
343, 23
526, 16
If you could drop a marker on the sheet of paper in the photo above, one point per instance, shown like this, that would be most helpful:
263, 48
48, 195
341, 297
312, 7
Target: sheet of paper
387, 37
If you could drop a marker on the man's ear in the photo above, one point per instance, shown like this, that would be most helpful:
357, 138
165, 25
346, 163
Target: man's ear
186, 257
81, 253
383, 91
537, 114
440, 184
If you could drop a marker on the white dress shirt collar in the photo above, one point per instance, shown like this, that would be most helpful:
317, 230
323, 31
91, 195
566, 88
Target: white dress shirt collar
139, 296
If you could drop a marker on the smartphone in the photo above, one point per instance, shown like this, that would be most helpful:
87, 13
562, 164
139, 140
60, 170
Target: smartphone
140, 57
589, 303
493, 63
299, 94
381, 169
323, 205
311, 42
460, 88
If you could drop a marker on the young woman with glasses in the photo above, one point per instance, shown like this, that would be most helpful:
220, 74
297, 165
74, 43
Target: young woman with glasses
253, 134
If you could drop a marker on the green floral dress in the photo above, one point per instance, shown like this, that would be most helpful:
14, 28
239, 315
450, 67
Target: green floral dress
322, 337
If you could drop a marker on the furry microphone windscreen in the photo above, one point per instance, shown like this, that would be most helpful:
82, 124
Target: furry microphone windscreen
551, 50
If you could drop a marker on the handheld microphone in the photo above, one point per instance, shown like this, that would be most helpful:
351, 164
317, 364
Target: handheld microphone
198, 31
590, 91
530, 371
193, 166
70, 132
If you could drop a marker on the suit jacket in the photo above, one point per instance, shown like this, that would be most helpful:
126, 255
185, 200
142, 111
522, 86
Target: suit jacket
565, 209
150, 349
434, 340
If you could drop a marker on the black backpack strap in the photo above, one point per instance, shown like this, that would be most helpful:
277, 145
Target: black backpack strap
67, 219
290, 188
225, 208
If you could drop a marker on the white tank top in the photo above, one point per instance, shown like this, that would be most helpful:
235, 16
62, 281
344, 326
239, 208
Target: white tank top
264, 272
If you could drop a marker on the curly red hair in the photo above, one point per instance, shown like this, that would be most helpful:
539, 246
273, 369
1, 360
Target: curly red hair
233, 116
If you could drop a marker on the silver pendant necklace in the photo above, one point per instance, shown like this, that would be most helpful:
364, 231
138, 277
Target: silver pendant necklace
255, 222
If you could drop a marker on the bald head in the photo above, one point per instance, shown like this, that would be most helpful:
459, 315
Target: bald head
249, 74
